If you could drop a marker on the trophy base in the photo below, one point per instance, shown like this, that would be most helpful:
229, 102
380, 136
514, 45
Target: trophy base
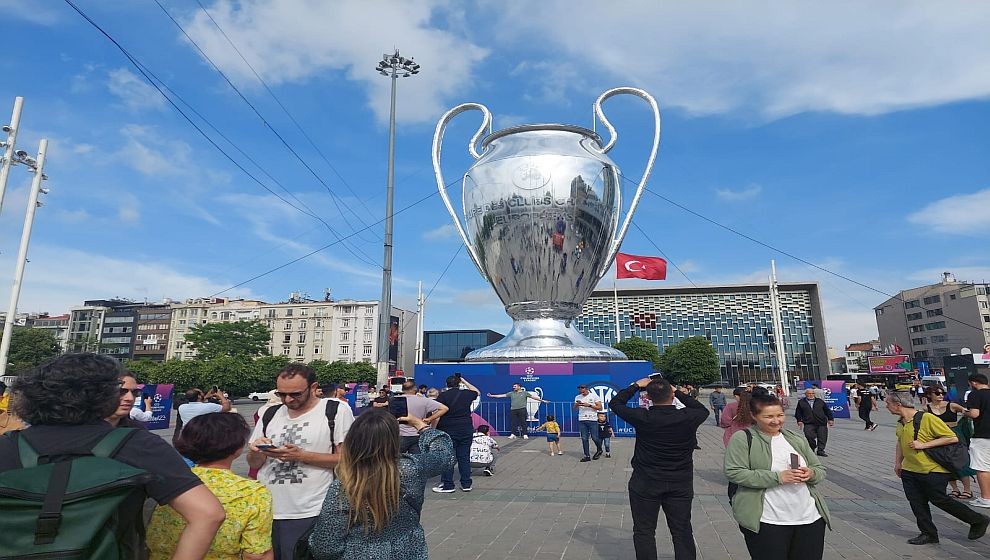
544, 339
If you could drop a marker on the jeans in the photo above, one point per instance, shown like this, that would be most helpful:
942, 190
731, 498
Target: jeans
589, 428
817, 436
787, 542
646, 497
517, 419
864, 415
717, 409
923, 489
605, 444
285, 534
462, 451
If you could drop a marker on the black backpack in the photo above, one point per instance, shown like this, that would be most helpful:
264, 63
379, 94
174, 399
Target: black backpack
733, 487
331, 412
953, 457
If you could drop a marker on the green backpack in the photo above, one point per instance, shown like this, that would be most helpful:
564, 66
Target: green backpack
68, 509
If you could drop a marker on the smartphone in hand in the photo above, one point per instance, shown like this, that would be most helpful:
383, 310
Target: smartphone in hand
795, 461
266, 446
398, 407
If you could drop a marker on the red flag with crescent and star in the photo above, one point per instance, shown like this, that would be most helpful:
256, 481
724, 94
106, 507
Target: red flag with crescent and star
634, 266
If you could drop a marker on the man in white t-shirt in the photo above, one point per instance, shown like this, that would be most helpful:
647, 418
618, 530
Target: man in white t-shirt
299, 469
588, 405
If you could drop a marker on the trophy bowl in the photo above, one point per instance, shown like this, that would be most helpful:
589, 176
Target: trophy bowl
541, 208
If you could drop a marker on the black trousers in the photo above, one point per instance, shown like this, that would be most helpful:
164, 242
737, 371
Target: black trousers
409, 444
517, 419
924, 489
864, 415
646, 497
817, 436
786, 542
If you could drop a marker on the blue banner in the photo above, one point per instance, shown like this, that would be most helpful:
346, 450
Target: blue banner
161, 405
835, 396
552, 381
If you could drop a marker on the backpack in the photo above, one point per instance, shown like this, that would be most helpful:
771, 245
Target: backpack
953, 457
67, 509
331, 412
733, 487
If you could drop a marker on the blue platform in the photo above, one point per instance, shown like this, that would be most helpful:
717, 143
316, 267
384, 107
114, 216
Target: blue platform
552, 381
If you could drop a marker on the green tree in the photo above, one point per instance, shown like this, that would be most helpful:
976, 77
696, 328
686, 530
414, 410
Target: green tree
31, 347
636, 348
692, 360
239, 338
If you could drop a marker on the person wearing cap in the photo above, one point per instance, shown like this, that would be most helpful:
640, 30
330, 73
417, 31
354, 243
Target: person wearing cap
588, 405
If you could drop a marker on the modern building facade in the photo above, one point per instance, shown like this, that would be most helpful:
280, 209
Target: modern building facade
737, 320
152, 325
304, 329
934, 321
58, 325
453, 346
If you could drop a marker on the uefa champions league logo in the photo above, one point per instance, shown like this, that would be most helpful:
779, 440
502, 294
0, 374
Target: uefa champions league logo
530, 370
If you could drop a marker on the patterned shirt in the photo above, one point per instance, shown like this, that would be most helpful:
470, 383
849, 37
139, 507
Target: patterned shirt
334, 538
248, 526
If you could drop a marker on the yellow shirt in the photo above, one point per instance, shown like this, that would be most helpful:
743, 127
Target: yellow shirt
917, 461
551, 428
248, 526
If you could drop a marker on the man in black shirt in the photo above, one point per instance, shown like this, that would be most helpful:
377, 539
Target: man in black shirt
458, 424
663, 466
65, 402
815, 417
978, 405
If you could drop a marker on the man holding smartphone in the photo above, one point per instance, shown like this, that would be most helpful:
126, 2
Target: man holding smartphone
419, 406
458, 424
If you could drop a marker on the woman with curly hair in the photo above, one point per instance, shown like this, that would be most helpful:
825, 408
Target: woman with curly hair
65, 402
373, 506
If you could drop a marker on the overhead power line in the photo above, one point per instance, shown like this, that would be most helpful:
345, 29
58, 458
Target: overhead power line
662, 254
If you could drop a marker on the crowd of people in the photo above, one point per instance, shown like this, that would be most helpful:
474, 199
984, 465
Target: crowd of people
327, 484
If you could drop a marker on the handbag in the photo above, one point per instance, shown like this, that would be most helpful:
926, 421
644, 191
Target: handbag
953, 457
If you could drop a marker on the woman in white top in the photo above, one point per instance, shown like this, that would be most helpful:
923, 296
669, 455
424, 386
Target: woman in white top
776, 500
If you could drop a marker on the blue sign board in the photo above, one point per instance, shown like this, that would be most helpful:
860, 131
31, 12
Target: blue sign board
923, 368
835, 396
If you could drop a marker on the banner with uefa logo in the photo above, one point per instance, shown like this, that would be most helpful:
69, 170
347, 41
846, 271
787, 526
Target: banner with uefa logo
835, 396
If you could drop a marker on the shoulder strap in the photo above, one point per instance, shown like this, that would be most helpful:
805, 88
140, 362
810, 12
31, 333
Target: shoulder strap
332, 405
918, 417
112, 442
27, 454
266, 418
749, 438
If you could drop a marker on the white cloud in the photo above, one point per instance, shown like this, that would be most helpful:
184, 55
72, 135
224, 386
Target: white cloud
128, 209
729, 195
767, 59
77, 216
35, 12
153, 155
933, 275
58, 278
959, 214
132, 90
297, 40
446, 231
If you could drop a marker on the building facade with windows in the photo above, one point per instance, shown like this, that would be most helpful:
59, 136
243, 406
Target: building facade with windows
934, 321
453, 346
152, 325
303, 329
58, 325
858, 355
736, 319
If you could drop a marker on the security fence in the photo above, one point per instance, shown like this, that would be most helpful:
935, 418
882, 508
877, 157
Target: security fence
496, 413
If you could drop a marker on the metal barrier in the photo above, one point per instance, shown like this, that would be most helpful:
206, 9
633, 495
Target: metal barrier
496, 413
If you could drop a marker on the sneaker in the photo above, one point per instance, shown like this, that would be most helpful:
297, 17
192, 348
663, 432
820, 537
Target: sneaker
525, 436
560, 453
977, 530
597, 455
923, 539
585, 459
608, 455
488, 472
442, 490
821, 454
513, 436
980, 502
464, 489
874, 427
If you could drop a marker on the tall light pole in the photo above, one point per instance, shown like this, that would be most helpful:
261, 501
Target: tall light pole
391, 66
37, 167
7, 159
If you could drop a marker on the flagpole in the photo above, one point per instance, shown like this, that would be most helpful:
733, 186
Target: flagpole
615, 293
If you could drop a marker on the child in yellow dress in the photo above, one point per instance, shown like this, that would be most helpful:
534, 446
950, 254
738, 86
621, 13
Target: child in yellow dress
553, 434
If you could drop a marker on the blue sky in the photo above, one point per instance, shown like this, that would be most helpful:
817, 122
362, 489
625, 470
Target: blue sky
852, 135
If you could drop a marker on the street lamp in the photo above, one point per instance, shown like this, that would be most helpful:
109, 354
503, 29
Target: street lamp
391, 66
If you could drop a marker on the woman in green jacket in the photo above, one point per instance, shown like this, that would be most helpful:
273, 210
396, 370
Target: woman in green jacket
777, 503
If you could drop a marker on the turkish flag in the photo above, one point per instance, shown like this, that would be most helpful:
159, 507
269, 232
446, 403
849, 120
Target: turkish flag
633, 266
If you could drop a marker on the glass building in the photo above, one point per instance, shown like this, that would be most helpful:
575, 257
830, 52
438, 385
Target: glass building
736, 319
453, 346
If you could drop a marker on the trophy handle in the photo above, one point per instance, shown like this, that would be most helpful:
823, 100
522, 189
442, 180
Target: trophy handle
621, 234
486, 124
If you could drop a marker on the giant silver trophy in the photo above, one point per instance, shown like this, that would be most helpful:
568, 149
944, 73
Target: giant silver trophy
541, 208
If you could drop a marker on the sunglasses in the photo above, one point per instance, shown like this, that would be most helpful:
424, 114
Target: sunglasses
295, 395
135, 392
